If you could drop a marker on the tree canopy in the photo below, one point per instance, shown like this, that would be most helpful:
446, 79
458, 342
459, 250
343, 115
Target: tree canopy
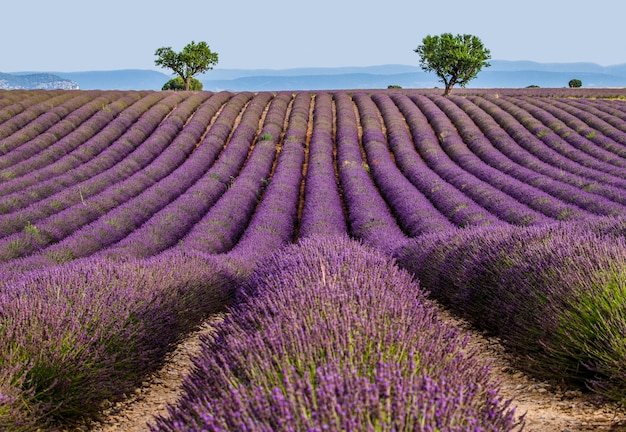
192, 60
455, 59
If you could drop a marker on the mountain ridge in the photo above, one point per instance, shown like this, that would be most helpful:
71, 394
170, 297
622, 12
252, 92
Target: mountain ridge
501, 74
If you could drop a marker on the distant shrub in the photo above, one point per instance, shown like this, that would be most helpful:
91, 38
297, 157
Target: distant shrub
532, 86
394, 86
178, 84
575, 83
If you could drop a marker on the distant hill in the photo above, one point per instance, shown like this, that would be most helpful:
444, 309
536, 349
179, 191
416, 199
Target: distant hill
501, 74
45, 81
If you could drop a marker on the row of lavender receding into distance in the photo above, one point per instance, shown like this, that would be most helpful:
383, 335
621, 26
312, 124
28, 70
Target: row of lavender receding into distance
104, 194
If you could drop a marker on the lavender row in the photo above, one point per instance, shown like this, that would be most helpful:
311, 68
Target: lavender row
172, 223
556, 199
552, 140
413, 211
457, 207
222, 226
44, 122
15, 101
322, 210
518, 196
555, 295
369, 217
65, 136
184, 164
587, 125
273, 224
576, 178
76, 336
17, 122
118, 160
108, 147
557, 135
608, 111
164, 159
333, 336
52, 126
543, 157
501, 205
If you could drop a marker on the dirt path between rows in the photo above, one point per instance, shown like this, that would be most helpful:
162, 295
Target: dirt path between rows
546, 408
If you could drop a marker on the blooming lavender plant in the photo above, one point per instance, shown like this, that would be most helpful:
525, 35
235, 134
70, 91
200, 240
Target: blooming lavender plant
413, 211
170, 225
369, 217
322, 210
74, 336
220, 229
554, 294
556, 199
112, 148
333, 336
54, 140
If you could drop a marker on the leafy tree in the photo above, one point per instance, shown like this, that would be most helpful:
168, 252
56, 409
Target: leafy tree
192, 60
575, 83
455, 59
178, 84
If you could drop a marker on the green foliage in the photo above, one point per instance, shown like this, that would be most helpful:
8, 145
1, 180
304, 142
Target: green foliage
455, 59
266, 137
192, 60
394, 86
178, 84
575, 83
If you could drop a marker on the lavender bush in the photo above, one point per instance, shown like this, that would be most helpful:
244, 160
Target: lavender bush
333, 336
554, 294
74, 336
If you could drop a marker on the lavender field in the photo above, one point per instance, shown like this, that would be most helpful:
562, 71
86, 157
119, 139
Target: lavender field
328, 225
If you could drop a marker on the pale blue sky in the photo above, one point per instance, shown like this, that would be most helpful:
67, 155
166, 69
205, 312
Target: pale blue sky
81, 35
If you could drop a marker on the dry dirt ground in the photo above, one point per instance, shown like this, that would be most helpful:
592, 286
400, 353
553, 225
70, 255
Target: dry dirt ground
546, 408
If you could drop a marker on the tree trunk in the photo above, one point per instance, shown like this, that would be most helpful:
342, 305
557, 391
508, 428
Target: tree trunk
448, 89
187, 83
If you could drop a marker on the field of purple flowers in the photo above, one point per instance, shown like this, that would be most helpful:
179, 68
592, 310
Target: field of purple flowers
326, 224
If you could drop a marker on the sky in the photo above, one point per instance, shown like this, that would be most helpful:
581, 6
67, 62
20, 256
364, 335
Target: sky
79, 35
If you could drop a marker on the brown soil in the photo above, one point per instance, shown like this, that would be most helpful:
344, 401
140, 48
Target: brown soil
546, 408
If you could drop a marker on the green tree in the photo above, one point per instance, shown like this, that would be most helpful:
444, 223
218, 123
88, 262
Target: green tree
178, 84
575, 83
192, 60
455, 59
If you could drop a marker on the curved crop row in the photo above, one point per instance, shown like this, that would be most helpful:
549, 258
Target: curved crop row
413, 211
555, 295
369, 217
512, 197
601, 135
333, 336
17, 124
450, 201
55, 140
222, 226
60, 225
527, 148
556, 135
110, 148
500, 205
556, 199
322, 211
187, 164
173, 222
